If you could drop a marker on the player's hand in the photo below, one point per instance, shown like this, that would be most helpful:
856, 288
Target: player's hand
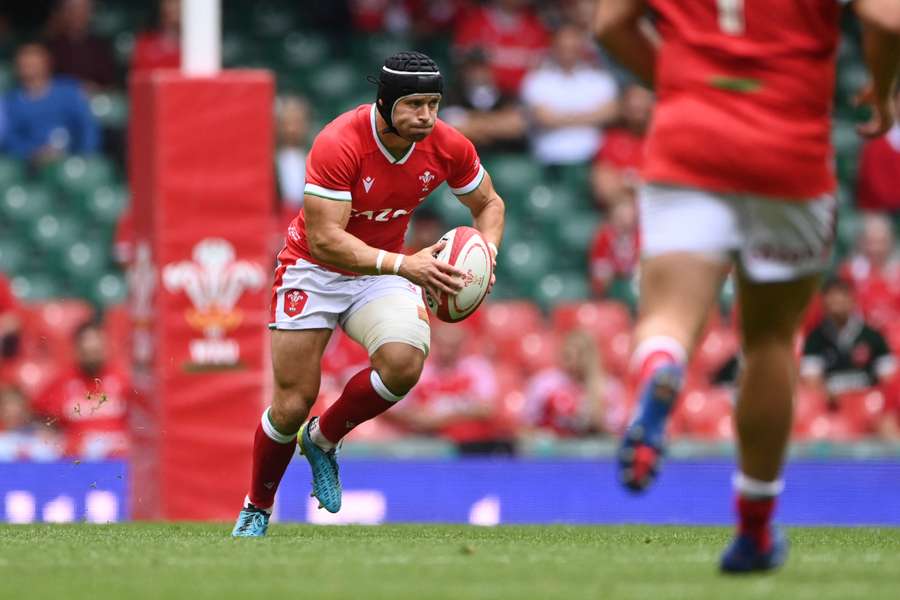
882, 113
435, 276
493, 269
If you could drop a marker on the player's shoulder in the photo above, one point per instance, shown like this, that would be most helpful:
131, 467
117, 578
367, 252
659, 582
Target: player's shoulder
446, 139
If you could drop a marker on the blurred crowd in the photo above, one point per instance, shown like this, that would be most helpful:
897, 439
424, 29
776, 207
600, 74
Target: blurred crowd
510, 373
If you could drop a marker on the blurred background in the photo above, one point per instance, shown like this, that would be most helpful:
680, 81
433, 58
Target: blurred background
538, 373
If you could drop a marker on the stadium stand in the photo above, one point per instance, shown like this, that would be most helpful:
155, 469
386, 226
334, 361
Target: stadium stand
58, 223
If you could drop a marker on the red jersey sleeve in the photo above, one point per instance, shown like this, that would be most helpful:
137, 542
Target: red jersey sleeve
331, 168
466, 171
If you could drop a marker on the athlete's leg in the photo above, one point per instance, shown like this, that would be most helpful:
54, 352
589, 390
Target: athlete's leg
771, 314
787, 245
296, 364
395, 331
687, 237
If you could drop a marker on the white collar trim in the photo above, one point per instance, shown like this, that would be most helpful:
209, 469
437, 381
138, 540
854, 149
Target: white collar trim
387, 153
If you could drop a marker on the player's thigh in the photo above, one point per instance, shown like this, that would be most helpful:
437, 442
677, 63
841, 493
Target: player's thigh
391, 322
389, 309
772, 310
687, 238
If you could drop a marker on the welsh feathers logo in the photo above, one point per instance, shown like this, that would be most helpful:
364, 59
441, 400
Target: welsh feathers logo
213, 281
426, 178
294, 301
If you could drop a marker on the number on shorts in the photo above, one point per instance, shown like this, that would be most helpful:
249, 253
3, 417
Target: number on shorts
731, 16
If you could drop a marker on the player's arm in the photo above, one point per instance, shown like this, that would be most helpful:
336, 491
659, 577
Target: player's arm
622, 29
330, 243
487, 210
881, 51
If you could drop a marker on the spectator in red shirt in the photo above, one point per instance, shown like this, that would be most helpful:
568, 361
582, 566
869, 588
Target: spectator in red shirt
617, 166
874, 271
89, 400
615, 251
511, 35
577, 397
10, 327
160, 47
457, 398
878, 182
78, 52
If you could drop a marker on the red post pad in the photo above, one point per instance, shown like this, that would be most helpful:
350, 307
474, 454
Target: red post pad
202, 188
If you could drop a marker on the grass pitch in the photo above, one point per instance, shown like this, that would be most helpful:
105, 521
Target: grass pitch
198, 561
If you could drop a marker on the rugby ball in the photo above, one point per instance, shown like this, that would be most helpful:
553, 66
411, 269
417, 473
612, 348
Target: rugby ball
467, 251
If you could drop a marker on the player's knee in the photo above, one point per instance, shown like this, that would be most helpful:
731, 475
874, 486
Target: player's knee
399, 366
291, 405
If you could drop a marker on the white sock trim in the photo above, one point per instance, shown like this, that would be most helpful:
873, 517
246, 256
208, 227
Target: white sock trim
382, 389
318, 438
274, 434
747, 486
658, 343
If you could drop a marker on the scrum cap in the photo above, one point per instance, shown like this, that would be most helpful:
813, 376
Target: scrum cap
406, 74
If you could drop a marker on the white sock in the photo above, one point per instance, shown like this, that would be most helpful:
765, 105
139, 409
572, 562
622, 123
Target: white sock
315, 434
247, 503
755, 488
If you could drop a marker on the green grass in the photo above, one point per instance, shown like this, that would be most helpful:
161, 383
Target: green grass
430, 562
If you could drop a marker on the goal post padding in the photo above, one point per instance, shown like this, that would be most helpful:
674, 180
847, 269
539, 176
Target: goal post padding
202, 181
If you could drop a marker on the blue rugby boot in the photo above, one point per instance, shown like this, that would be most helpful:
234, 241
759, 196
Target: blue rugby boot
744, 555
251, 522
642, 445
325, 473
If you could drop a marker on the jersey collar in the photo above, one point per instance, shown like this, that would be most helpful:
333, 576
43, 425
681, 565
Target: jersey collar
387, 153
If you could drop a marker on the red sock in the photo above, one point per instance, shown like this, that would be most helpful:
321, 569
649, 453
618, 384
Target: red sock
270, 460
754, 516
363, 398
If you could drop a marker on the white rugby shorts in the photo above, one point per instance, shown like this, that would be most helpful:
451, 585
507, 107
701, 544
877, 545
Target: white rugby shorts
773, 240
308, 296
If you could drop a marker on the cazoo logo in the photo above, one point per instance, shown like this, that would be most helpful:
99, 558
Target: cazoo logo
214, 282
382, 214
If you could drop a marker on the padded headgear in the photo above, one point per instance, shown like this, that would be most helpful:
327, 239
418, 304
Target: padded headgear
405, 74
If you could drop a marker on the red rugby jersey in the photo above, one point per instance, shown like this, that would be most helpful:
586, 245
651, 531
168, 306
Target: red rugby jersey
348, 162
744, 96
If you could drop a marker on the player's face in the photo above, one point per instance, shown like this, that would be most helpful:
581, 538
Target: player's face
414, 117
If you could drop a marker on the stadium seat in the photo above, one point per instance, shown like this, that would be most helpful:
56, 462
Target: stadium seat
84, 261
809, 404
604, 319
105, 204
108, 289
705, 413
53, 234
79, 175
556, 288
550, 205
110, 109
525, 262
271, 19
37, 286
12, 172
502, 323
514, 175
304, 49
717, 347
32, 375
14, 254
23, 204
575, 234
534, 351
861, 410
452, 212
